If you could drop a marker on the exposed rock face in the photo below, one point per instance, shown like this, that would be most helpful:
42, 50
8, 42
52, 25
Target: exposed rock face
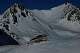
72, 13
38, 39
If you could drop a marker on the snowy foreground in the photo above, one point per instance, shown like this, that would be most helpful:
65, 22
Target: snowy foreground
50, 47
61, 24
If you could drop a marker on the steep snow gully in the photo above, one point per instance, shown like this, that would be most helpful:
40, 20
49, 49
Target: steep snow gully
40, 31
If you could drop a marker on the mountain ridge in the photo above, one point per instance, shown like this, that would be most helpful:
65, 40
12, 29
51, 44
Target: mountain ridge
21, 22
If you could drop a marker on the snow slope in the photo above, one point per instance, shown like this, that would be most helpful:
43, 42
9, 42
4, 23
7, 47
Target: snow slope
59, 23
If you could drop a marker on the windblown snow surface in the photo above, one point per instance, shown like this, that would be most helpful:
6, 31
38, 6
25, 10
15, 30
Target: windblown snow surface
63, 35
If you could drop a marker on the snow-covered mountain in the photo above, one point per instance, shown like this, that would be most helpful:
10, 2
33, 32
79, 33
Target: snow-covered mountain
63, 18
61, 24
70, 22
22, 22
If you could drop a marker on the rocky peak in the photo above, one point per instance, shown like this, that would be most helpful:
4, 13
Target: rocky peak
16, 9
72, 13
